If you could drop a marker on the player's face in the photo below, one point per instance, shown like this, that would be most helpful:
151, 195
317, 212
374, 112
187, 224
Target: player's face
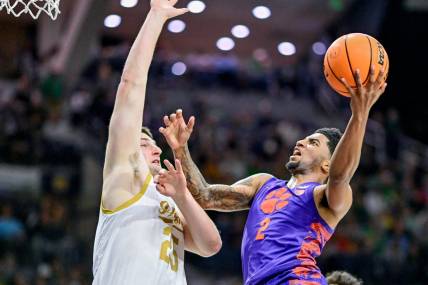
151, 153
309, 153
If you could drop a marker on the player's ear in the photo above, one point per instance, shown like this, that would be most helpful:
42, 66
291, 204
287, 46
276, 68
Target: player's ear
325, 166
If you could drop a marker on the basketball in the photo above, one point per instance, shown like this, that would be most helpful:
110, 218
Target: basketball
349, 53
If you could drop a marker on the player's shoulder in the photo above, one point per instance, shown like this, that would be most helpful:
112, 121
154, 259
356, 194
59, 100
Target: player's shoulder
261, 178
120, 189
323, 187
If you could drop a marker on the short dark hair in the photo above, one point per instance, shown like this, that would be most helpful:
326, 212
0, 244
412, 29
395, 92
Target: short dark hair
146, 130
333, 135
342, 278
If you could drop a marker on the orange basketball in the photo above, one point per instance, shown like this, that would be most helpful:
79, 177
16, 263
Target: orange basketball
349, 53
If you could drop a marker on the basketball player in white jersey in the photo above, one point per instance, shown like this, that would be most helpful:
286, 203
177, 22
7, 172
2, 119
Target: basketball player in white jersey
141, 233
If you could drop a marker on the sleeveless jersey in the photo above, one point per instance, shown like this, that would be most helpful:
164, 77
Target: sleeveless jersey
283, 235
140, 242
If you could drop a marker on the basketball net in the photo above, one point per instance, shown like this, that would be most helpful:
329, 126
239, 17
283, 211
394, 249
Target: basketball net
32, 7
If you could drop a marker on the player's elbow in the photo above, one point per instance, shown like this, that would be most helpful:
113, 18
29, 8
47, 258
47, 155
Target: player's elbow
205, 200
130, 80
212, 247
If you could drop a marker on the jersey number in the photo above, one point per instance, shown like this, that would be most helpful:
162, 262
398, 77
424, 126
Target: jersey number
166, 254
263, 226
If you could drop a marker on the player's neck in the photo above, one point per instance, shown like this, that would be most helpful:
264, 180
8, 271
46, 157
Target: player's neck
297, 179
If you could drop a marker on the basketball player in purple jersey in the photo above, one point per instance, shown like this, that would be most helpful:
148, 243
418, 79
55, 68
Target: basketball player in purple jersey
288, 222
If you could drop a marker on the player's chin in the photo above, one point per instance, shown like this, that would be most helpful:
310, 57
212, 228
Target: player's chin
155, 168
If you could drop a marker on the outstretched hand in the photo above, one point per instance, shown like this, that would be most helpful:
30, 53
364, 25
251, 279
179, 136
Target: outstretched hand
166, 8
176, 131
364, 97
171, 182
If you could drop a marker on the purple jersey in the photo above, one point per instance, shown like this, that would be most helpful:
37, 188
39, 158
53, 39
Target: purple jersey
283, 235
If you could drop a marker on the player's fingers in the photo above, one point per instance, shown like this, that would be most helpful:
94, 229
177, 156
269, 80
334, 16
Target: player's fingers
161, 188
379, 78
179, 114
178, 165
163, 180
173, 117
162, 130
382, 89
181, 11
347, 86
173, 2
191, 123
156, 179
166, 121
372, 74
169, 165
358, 80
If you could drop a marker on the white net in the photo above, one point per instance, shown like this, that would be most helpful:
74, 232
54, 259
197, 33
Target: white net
32, 7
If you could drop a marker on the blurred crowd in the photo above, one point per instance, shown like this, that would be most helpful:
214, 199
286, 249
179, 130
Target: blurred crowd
249, 114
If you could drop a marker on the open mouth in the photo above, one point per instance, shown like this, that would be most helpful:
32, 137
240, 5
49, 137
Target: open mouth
156, 161
296, 152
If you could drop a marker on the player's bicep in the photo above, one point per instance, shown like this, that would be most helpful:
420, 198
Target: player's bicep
125, 126
339, 198
116, 188
235, 197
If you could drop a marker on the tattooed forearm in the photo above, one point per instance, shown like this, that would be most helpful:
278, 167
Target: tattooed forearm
195, 181
215, 197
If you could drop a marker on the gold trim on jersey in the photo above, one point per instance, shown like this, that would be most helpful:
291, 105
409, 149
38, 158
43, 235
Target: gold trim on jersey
131, 201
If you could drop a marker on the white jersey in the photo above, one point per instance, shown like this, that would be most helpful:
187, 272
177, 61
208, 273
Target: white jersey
140, 242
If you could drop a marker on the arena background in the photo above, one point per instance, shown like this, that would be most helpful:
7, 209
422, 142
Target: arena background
57, 86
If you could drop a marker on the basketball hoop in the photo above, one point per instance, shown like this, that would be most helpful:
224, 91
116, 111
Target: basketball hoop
32, 7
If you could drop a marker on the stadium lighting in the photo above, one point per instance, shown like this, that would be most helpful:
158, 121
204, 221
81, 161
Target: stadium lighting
178, 68
286, 48
112, 21
176, 26
240, 31
196, 6
319, 48
261, 12
225, 44
128, 3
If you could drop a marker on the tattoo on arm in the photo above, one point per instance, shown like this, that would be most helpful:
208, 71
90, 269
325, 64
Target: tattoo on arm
218, 197
230, 198
195, 180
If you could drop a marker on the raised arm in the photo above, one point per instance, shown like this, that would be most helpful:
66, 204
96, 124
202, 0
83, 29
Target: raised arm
347, 155
127, 117
200, 233
218, 197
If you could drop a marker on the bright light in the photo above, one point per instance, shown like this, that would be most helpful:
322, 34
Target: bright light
128, 3
112, 21
240, 31
225, 43
176, 26
261, 12
178, 68
196, 6
319, 48
286, 48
